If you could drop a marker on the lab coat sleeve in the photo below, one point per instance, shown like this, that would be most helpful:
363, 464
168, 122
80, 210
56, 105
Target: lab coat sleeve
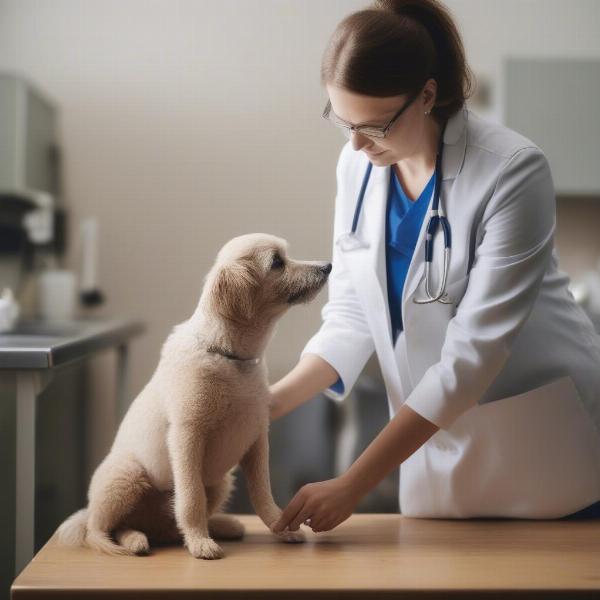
344, 339
509, 265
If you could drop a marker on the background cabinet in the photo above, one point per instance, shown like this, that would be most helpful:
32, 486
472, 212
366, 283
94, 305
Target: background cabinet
554, 102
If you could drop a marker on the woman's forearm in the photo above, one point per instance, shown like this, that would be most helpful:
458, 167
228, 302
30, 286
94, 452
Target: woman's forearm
398, 440
310, 376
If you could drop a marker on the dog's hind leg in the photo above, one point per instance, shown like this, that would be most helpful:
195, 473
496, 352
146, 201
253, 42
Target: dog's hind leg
154, 515
133, 540
116, 487
225, 527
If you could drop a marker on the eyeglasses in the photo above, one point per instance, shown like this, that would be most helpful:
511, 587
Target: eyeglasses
367, 130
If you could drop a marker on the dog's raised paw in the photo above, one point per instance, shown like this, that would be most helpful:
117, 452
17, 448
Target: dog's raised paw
204, 547
291, 537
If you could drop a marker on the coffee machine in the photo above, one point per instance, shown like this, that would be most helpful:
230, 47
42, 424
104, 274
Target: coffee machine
32, 218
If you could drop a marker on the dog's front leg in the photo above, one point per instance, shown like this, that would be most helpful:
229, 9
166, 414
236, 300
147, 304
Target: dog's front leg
255, 465
187, 452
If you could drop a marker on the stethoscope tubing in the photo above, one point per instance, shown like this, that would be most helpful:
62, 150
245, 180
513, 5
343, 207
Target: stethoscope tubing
436, 219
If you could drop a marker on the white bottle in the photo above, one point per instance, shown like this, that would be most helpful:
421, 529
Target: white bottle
57, 295
9, 310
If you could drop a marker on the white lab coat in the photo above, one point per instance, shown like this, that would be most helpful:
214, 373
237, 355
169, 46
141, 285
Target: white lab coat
512, 374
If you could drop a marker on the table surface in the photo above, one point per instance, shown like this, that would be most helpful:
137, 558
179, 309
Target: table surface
367, 556
39, 344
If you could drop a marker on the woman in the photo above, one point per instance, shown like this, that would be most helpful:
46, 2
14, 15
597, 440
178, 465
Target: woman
494, 388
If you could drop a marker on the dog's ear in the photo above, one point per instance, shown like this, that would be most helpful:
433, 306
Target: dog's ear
234, 290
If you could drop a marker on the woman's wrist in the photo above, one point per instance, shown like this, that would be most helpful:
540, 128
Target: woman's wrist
354, 486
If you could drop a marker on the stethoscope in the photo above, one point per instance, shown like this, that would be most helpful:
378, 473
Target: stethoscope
351, 241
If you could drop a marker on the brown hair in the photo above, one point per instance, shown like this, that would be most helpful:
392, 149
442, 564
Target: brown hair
394, 47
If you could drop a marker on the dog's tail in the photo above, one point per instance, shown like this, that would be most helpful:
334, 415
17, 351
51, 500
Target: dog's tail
75, 532
101, 541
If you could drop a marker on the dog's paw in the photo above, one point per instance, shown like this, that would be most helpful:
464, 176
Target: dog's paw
225, 527
136, 541
291, 537
203, 547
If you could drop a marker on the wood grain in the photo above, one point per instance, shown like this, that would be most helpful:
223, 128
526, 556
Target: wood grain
368, 556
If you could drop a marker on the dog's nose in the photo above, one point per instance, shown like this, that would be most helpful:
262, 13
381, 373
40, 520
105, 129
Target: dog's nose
326, 268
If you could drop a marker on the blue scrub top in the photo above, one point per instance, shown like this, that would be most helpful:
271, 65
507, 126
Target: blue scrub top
403, 220
403, 224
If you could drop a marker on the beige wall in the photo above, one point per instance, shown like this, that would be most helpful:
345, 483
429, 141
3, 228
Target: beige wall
185, 123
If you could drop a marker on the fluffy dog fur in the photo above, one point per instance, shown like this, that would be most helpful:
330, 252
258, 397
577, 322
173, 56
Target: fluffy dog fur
202, 414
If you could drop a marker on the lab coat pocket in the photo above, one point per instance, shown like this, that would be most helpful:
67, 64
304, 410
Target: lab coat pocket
534, 454
426, 325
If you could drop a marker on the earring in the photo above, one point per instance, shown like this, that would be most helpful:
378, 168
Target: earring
427, 112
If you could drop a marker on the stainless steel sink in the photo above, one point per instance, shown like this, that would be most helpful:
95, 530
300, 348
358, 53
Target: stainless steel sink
42, 344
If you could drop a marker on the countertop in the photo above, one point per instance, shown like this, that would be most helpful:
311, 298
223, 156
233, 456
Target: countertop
39, 344
367, 556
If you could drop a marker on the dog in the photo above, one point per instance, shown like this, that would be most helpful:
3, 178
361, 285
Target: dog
203, 414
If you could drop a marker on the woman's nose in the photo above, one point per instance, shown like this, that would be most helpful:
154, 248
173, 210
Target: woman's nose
359, 141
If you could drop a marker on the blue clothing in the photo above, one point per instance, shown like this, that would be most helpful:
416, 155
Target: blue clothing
403, 220
589, 512
338, 386
403, 224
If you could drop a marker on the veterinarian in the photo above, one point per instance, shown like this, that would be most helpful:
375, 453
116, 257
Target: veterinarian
492, 371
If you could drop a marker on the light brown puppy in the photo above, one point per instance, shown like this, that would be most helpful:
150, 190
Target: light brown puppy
204, 412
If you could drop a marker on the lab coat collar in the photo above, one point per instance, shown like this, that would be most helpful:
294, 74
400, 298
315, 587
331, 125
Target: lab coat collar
455, 142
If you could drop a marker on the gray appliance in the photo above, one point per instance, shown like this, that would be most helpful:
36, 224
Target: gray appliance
32, 220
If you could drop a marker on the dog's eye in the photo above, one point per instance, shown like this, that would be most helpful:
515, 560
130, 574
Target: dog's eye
277, 262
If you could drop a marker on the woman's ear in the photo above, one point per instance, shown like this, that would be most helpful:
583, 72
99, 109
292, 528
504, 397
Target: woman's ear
429, 93
234, 289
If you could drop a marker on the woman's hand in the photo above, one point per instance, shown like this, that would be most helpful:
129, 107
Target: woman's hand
326, 503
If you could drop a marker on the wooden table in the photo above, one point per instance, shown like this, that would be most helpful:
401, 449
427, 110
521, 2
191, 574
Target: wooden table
368, 556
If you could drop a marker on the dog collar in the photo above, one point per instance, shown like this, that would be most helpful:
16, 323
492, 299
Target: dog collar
216, 350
